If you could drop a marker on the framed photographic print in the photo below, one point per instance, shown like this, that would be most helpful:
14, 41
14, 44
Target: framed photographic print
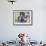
22, 17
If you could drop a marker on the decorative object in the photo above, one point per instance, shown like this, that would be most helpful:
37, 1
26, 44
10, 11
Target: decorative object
21, 36
22, 17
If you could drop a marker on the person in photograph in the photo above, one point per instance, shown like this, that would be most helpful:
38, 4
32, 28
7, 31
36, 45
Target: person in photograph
27, 15
22, 17
28, 18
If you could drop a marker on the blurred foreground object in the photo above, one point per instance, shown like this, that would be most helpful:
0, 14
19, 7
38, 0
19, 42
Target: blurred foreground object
21, 36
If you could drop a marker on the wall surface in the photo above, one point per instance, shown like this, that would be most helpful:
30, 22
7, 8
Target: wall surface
37, 31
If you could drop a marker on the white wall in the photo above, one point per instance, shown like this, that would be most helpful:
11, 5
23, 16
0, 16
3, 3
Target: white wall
38, 30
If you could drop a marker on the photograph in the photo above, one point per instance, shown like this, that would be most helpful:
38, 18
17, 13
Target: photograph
22, 17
